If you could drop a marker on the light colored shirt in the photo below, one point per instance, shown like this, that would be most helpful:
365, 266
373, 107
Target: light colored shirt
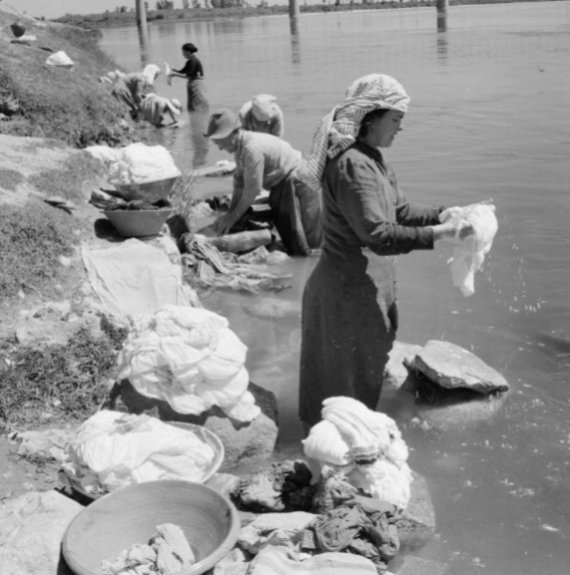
262, 162
274, 125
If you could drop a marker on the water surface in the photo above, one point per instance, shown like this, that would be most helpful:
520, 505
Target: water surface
489, 119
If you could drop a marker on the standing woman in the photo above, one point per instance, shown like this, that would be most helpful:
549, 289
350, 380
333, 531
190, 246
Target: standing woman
194, 73
350, 317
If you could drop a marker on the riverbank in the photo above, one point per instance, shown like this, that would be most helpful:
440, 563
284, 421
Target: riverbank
128, 18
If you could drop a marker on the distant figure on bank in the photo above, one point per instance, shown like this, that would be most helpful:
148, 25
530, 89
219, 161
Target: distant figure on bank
262, 114
266, 162
157, 110
193, 72
130, 88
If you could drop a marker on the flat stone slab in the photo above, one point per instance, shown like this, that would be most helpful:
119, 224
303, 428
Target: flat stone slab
453, 367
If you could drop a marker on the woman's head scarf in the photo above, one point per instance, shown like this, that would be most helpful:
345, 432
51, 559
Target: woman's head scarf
339, 128
150, 72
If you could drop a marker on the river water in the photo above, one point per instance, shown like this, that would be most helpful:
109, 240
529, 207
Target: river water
489, 119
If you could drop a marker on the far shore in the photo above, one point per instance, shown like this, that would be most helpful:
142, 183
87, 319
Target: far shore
117, 18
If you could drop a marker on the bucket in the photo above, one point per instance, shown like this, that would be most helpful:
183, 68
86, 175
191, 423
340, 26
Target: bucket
138, 223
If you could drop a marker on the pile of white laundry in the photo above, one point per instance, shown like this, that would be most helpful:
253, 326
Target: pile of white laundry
190, 358
365, 445
136, 163
112, 450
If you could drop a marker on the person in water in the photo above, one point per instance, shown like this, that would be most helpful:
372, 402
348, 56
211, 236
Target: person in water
193, 72
262, 114
349, 309
265, 162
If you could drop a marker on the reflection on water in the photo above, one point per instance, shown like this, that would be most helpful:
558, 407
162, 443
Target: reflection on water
200, 144
488, 119
295, 40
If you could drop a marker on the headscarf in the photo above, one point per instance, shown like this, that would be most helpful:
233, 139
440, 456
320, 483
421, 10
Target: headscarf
150, 72
339, 128
263, 107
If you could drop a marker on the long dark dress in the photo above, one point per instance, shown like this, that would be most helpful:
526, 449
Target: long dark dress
350, 317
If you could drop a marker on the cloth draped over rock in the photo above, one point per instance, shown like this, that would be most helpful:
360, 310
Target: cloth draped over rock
135, 277
190, 358
366, 444
282, 486
112, 450
136, 163
469, 254
363, 526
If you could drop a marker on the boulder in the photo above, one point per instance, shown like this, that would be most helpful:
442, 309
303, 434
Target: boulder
244, 443
31, 530
452, 367
396, 373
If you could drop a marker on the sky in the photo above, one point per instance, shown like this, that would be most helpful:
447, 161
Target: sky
57, 8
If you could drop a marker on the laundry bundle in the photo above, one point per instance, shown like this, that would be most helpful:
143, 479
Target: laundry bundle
136, 163
469, 253
190, 358
365, 445
111, 450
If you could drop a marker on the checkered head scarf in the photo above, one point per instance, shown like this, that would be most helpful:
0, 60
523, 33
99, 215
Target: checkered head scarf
339, 128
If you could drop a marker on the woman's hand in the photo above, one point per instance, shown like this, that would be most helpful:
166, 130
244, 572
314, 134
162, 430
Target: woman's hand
453, 229
450, 213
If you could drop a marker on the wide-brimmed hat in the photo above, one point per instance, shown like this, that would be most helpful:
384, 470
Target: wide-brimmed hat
263, 107
221, 124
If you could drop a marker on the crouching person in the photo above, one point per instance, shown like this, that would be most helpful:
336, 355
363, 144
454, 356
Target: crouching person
160, 111
264, 161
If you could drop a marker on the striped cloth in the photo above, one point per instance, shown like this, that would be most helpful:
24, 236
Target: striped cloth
339, 128
275, 562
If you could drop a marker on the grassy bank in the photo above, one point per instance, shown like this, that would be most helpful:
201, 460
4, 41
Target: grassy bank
69, 105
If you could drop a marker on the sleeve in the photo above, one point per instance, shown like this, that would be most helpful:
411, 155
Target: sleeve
186, 69
244, 116
412, 214
364, 200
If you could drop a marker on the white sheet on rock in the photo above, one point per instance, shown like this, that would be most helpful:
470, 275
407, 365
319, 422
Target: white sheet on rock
134, 277
190, 358
112, 450
136, 163
469, 254
350, 431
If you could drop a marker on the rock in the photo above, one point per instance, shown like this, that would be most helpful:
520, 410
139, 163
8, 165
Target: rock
224, 483
31, 530
416, 526
244, 443
453, 367
18, 29
396, 373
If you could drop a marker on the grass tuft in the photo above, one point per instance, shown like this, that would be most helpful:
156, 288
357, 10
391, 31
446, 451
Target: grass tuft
62, 380
32, 237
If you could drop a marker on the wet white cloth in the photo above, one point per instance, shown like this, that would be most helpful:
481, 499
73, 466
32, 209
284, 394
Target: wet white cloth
338, 129
350, 433
469, 254
134, 277
190, 358
112, 450
150, 73
136, 163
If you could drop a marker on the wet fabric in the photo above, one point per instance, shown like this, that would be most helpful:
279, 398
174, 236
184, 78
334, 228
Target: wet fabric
155, 109
350, 314
283, 486
362, 526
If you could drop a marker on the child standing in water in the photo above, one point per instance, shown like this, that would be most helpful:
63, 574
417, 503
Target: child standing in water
194, 74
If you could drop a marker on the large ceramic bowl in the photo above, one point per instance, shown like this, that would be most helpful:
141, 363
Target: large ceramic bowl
138, 223
119, 520
151, 192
